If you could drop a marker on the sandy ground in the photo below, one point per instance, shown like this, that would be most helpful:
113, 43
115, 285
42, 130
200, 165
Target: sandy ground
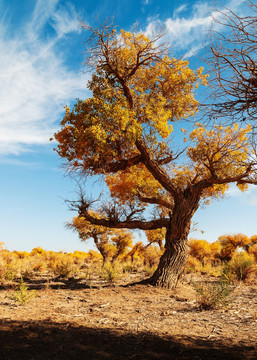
76, 320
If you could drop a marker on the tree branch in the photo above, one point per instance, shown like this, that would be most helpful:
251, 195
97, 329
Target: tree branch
123, 164
159, 173
127, 224
241, 179
155, 200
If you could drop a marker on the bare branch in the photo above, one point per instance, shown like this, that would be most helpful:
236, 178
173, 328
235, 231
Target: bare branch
126, 224
232, 63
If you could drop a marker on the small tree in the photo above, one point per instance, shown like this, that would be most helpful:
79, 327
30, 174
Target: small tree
200, 249
156, 237
111, 243
251, 246
123, 134
230, 243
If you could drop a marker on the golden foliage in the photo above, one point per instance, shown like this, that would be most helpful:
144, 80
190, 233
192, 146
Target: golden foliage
111, 243
156, 237
253, 251
126, 185
203, 250
230, 243
132, 96
219, 153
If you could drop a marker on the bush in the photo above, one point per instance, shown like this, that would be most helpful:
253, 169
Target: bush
127, 267
22, 295
193, 265
212, 295
241, 267
150, 269
110, 272
63, 269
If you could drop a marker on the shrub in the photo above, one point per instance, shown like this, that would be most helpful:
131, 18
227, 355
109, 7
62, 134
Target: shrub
240, 268
22, 295
150, 269
64, 268
192, 265
127, 267
212, 295
110, 272
253, 250
151, 256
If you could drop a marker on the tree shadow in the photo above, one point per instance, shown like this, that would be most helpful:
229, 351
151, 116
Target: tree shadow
72, 283
48, 340
55, 284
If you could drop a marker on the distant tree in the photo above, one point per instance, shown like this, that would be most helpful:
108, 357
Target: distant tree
230, 243
204, 251
156, 237
123, 133
251, 247
137, 251
111, 243
200, 249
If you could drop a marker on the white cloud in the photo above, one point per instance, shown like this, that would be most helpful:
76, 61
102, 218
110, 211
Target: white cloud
35, 82
249, 197
41, 14
64, 21
179, 10
186, 33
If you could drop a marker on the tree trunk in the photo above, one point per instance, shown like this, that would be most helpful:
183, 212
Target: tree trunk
171, 265
175, 255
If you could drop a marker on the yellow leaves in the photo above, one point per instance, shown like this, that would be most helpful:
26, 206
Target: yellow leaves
126, 185
203, 250
137, 93
220, 151
242, 187
156, 236
112, 243
230, 243
199, 249
202, 76
85, 228
98, 133
184, 131
67, 110
214, 191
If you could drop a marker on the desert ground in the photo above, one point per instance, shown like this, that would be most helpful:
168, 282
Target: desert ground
77, 319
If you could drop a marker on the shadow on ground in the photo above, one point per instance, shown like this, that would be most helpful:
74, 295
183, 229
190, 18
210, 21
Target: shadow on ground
71, 283
54, 284
47, 340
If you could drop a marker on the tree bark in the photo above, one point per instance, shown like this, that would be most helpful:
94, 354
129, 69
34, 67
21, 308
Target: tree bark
171, 265
175, 255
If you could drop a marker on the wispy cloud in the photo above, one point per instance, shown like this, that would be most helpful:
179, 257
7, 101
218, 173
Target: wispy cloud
249, 197
179, 10
35, 82
64, 21
187, 27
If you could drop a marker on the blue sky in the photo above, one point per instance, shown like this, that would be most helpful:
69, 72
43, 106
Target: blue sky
41, 56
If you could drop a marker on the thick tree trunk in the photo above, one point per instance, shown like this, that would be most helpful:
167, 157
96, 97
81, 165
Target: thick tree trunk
175, 255
171, 265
